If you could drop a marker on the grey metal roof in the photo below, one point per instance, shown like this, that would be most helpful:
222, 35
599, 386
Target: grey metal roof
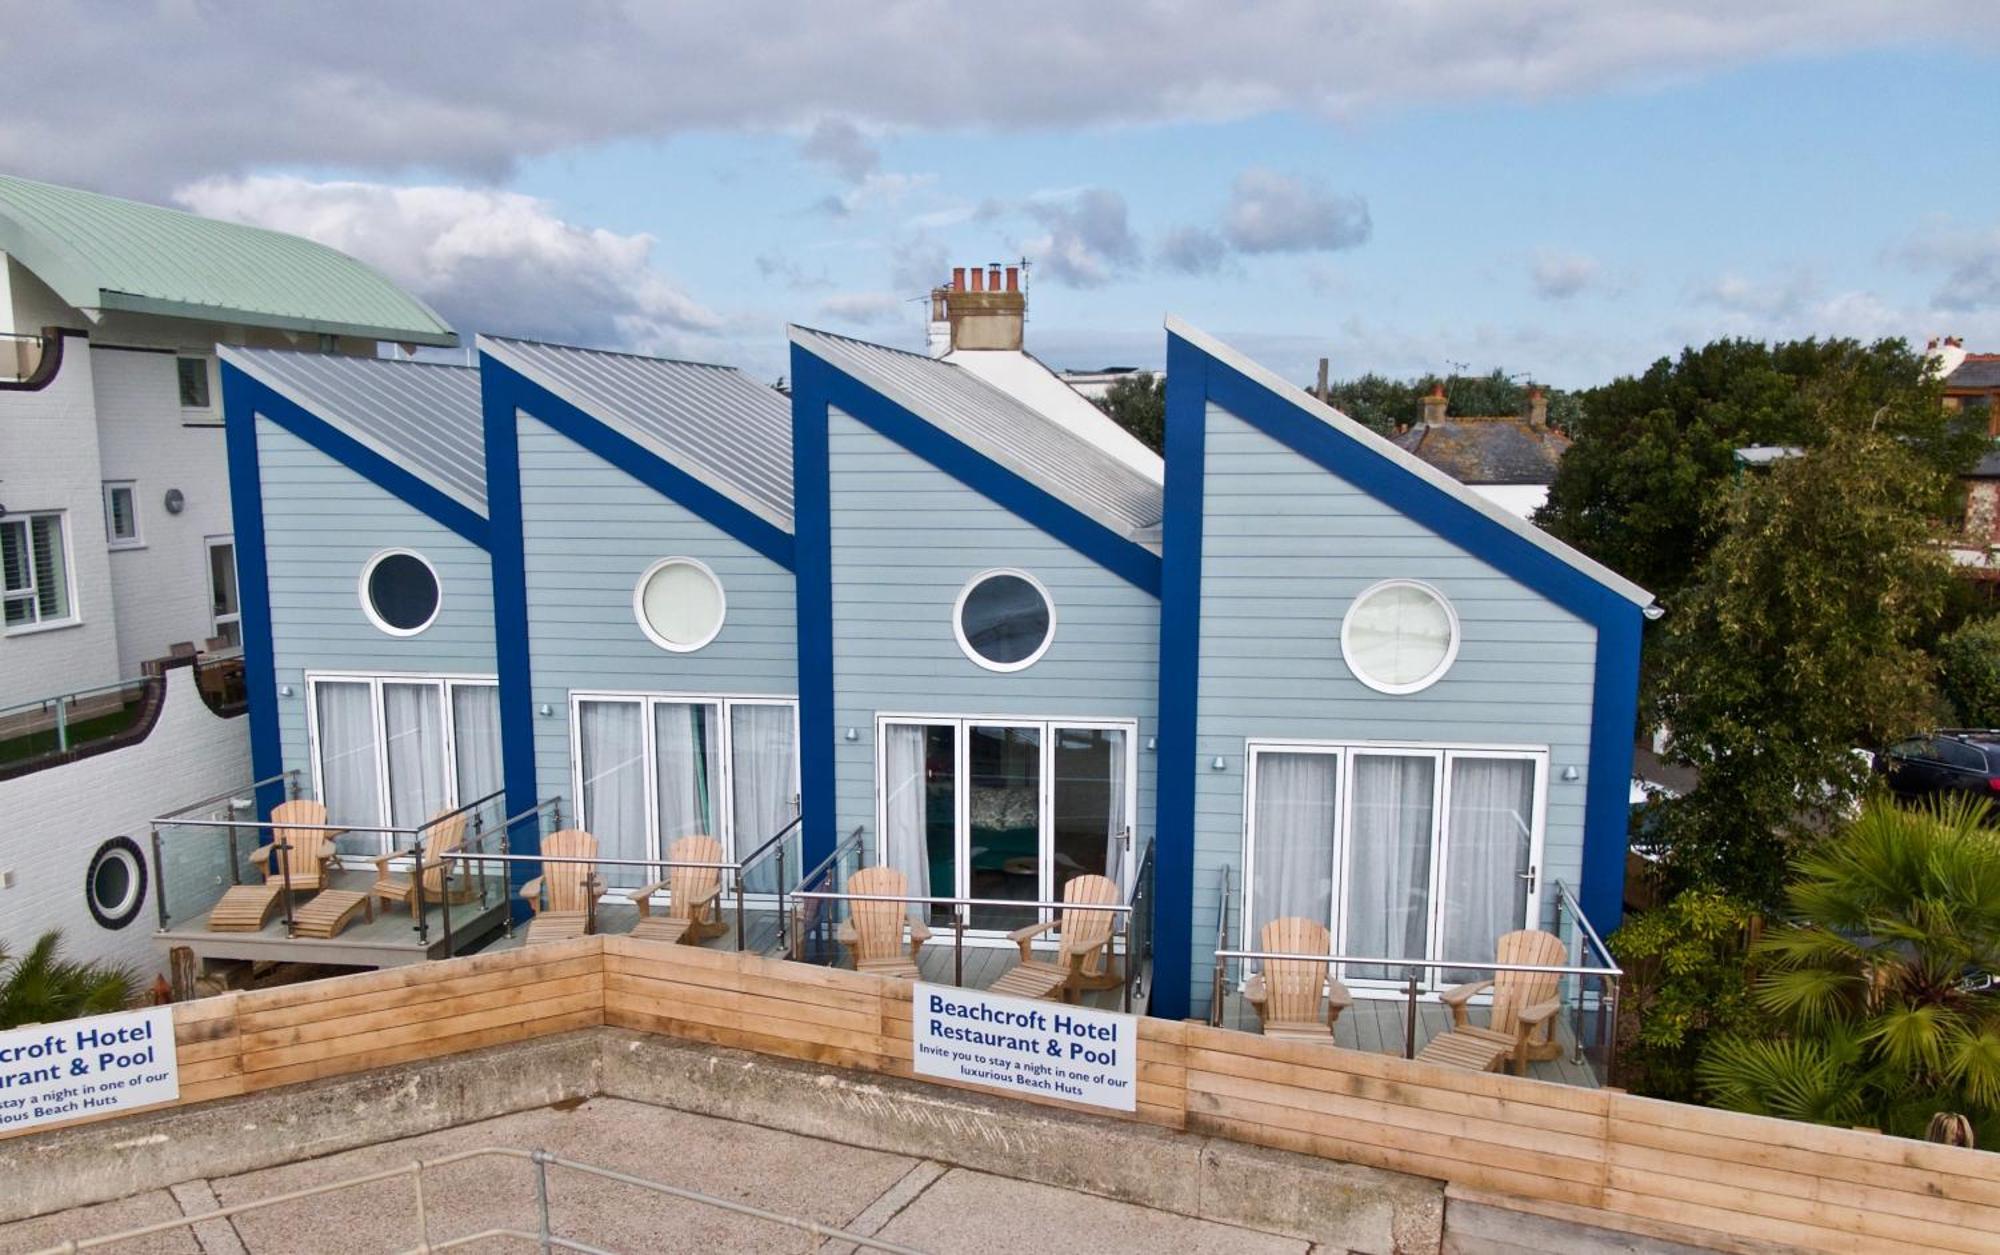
714, 422
421, 415
999, 426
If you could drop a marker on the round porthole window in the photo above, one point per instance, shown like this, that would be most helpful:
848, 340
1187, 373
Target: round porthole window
1399, 636
399, 592
115, 885
679, 604
1004, 620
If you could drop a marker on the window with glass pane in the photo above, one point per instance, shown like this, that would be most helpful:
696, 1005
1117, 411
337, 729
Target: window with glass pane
1489, 837
35, 566
413, 727
687, 767
1296, 810
920, 810
224, 609
1389, 837
1088, 794
1004, 802
350, 786
611, 747
193, 373
475, 738
121, 515
763, 768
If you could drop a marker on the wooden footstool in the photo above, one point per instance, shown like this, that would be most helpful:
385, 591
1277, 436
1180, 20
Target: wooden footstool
333, 910
661, 928
245, 909
896, 969
552, 926
1473, 1050
1031, 980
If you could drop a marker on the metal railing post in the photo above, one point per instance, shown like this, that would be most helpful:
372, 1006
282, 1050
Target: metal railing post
281, 849
1215, 995
62, 727
783, 942
417, 887
423, 1221
739, 910
160, 880
1611, 1032
235, 861
507, 876
958, 947
1410, 1023
540, 1158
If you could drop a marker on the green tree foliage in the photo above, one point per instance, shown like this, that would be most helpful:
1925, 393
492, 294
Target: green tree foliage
1652, 452
1882, 981
1138, 403
1686, 981
1969, 673
1386, 404
41, 987
1799, 640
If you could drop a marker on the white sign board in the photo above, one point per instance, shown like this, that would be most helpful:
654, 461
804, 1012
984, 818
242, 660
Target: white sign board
1021, 1046
88, 1067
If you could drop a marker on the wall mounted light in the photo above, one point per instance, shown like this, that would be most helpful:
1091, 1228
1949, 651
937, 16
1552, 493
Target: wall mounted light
547, 710
1218, 764
854, 734
284, 690
1152, 742
175, 501
1570, 773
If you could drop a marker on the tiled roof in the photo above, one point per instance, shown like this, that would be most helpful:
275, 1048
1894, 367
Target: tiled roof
1978, 370
1488, 450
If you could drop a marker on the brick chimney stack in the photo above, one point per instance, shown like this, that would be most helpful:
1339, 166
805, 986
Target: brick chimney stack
984, 308
1538, 406
1434, 404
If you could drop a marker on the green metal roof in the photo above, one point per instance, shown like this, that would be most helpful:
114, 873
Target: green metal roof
100, 252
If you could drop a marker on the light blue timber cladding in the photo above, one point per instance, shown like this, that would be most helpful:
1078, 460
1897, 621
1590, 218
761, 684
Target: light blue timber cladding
322, 522
1286, 546
589, 531
905, 538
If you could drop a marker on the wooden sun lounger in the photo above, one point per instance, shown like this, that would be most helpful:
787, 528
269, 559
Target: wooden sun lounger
873, 931
1522, 1024
694, 911
1083, 946
1288, 993
328, 914
564, 897
250, 908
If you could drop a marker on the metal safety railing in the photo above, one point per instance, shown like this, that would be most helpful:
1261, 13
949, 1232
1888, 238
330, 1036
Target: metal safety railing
544, 1233
59, 723
959, 909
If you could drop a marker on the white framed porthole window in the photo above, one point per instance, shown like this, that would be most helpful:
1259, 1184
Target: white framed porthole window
1399, 636
1004, 619
400, 592
679, 604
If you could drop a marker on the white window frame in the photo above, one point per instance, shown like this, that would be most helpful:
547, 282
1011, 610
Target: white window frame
198, 415
25, 520
444, 682
958, 621
652, 633
216, 621
1045, 804
112, 540
649, 753
1423, 682
368, 605
1444, 754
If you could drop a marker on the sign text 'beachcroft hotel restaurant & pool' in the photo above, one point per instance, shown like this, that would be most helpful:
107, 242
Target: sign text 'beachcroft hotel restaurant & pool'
1020, 1046
89, 1067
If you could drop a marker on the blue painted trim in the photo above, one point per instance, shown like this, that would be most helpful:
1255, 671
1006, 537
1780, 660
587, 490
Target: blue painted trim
628, 455
1614, 708
497, 404
362, 460
253, 581
1180, 669
812, 522
1129, 560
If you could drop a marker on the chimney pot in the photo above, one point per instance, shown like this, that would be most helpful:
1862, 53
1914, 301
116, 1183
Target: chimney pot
978, 279
958, 278
1013, 278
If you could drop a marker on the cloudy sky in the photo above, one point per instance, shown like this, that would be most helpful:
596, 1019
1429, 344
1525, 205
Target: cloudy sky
1562, 187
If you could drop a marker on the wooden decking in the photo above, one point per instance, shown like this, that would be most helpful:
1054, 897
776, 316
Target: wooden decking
389, 940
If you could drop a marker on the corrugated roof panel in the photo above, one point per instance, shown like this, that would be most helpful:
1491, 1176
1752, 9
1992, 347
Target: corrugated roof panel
425, 417
1000, 427
101, 252
714, 422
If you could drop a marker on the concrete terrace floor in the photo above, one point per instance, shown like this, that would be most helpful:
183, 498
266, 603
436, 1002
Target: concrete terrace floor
912, 1201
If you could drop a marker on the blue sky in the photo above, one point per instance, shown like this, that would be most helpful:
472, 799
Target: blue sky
1546, 186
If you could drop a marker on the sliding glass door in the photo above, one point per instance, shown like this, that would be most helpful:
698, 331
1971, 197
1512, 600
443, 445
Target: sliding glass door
1411, 852
651, 769
394, 751
1004, 809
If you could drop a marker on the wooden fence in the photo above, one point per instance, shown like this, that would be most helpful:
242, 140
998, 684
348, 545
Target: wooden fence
1595, 1154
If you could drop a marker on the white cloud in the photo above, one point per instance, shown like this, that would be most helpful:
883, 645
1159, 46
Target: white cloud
1193, 251
1776, 300
487, 260
443, 87
866, 308
1271, 212
1967, 257
1087, 236
839, 145
1558, 276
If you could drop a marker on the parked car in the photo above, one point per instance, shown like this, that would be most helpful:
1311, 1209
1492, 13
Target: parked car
1950, 760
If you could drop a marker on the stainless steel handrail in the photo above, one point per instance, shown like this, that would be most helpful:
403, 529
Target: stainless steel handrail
1568, 899
1377, 961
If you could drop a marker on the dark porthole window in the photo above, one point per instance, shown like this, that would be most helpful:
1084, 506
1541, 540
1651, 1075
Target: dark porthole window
399, 591
1004, 620
115, 885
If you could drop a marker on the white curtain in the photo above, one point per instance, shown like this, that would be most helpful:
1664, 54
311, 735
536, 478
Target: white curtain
612, 746
1293, 829
1488, 835
763, 764
685, 769
1389, 859
413, 723
904, 833
475, 735
1116, 818
344, 731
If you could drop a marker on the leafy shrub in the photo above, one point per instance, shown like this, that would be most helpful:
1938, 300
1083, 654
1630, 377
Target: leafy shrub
1687, 980
1969, 672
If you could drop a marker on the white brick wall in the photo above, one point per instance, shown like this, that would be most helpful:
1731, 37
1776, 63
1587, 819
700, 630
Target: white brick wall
55, 819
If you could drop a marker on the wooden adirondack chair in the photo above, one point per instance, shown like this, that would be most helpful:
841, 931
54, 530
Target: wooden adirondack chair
694, 908
564, 897
873, 931
445, 834
1522, 1024
1288, 993
1083, 946
248, 908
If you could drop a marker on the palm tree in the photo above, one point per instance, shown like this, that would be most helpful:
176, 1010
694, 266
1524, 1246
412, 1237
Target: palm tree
1885, 980
41, 986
